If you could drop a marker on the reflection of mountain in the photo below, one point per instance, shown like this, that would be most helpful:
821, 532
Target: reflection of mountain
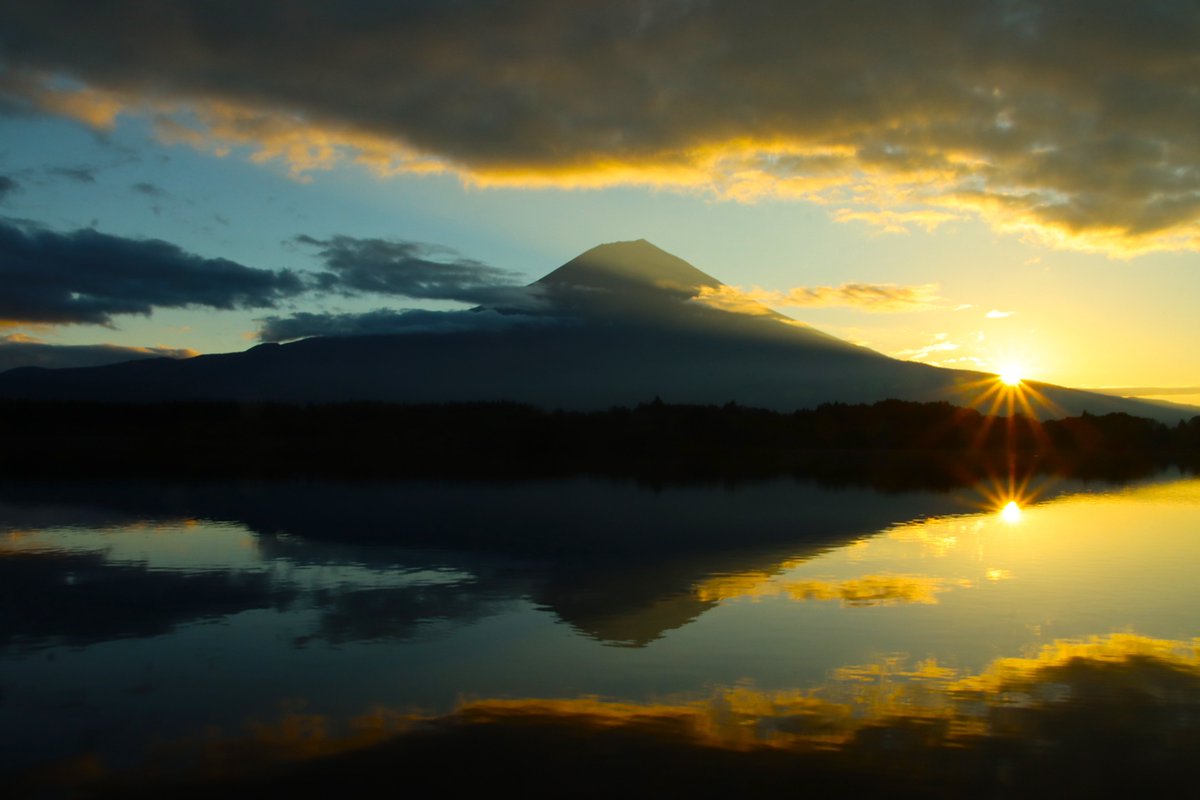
617, 562
615, 326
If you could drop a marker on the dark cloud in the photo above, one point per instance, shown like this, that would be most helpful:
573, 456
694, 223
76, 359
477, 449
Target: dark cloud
24, 351
150, 190
77, 174
1075, 118
385, 321
88, 277
8, 186
414, 269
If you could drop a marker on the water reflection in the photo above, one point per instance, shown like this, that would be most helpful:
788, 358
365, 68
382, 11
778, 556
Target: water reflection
791, 630
49, 597
617, 562
76, 594
1092, 717
869, 590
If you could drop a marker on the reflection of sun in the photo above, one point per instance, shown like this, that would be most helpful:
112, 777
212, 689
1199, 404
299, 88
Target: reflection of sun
1011, 513
1009, 496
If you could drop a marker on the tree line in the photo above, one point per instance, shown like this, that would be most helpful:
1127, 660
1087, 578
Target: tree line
511, 439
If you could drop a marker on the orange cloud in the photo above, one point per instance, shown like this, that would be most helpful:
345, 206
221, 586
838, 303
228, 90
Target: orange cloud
1089, 146
875, 297
898, 221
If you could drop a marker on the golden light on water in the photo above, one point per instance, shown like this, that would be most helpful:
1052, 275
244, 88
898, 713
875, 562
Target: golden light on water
1008, 496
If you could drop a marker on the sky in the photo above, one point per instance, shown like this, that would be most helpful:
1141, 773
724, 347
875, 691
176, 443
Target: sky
969, 184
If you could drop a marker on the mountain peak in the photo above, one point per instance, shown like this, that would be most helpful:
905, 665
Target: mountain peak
627, 265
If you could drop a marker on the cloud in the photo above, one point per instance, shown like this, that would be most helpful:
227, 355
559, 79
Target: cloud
150, 190
77, 174
88, 277
416, 270
941, 344
897, 221
876, 297
1070, 121
18, 350
389, 321
1148, 391
8, 186
998, 314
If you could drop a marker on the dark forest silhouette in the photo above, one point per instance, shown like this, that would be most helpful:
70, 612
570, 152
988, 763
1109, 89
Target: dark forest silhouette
875, 443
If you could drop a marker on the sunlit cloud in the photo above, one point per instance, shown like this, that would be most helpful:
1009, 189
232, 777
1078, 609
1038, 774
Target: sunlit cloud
997, 314
876, 297
941, 344
970, 362
1147, 391
22, 350
898, 221
1063, 124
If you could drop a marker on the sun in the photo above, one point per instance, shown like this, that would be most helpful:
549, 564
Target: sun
1011, 375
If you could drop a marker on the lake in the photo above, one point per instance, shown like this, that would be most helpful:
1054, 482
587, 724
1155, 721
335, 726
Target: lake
1033, 634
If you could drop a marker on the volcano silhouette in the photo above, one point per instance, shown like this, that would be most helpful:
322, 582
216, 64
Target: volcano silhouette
620, 324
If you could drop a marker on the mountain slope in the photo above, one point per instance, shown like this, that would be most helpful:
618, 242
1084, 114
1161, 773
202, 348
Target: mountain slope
617, 325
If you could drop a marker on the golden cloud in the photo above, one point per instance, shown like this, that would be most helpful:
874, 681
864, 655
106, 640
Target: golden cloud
875, 297
1062, 122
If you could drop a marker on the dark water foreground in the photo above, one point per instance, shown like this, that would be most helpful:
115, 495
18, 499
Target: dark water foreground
1024, 635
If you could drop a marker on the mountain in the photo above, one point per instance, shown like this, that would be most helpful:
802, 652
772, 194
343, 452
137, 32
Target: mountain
618, 325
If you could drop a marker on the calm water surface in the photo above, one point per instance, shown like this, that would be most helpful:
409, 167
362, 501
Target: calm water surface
141, 618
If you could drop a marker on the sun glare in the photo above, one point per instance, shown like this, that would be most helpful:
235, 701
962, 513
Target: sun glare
1011, 375
1011, 513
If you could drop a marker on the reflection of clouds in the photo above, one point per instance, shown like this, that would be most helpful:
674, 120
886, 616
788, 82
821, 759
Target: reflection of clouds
372, 614
935, 537
869, 590
82, 598
149, 578
1040, 721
